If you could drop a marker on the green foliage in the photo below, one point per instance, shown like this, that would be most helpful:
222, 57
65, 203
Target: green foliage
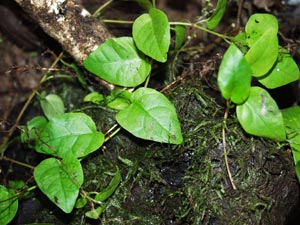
291, 117
151, 116
180, 32
69, 134
257, 112
216, 17
60, 180
118, 62
234, 75
260, 115
52, 105
283, 72
8, 205
151, 33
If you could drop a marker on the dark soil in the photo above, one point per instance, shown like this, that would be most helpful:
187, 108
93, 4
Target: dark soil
161, 184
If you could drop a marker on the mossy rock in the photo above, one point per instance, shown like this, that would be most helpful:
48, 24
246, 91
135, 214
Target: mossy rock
188, 183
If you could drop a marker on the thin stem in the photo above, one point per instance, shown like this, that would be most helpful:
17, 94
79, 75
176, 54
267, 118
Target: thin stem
154, 3
225, 37
18, 163
225, 147
118, 21
108, 135
97, 12
5, 141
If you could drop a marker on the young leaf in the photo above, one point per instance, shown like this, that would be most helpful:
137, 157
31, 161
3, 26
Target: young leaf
94, 97
95, 213
258, 24
34, 126
109, 190
263, 53
216, 17
118, 62
52, 105
234, 77
60, 181
283, 72
291, 118
118, 99
145, 4
8, 205
151, 33
69, 134
180, 32
259, 115
151, 116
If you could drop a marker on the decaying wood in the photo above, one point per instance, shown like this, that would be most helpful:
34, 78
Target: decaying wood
68, 23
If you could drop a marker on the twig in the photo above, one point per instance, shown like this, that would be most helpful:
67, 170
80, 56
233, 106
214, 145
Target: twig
4, 143
225, 148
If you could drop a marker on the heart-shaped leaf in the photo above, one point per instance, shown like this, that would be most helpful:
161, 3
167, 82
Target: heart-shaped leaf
8, 206
234, 77
119, 62
258, 24
60, 181
283, 72
151, 33
259, 115
69, 134
52, 105
263, 53
291, 117
216, 17
151, 116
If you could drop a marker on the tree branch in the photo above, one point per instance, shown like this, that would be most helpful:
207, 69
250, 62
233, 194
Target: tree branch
68, 23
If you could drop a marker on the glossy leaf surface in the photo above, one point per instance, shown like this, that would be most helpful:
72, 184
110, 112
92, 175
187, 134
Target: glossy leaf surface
283, 72
291, 117
151, 33
263, 53
8, 205
52, 105
69, 134
151, 116
215, 19
119, 62
260, 115
60, 181
234, 76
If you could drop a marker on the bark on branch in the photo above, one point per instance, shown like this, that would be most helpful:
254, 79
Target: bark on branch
68, 23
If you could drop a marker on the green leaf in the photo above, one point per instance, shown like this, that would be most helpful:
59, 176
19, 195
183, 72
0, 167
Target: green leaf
60, 181
110, 189
151, 33
257, 25
263, 53
151, 116
291, 118
81, 202
69, 134
94, 97
283, 72
216, 17
180, 32
119, 62
52, 105
95, 213
34, 126
234, 77
119, 99
260, 115
8, 205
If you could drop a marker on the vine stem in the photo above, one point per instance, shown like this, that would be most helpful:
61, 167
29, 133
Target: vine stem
196, 25
6, 139
97, 12
225, 147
